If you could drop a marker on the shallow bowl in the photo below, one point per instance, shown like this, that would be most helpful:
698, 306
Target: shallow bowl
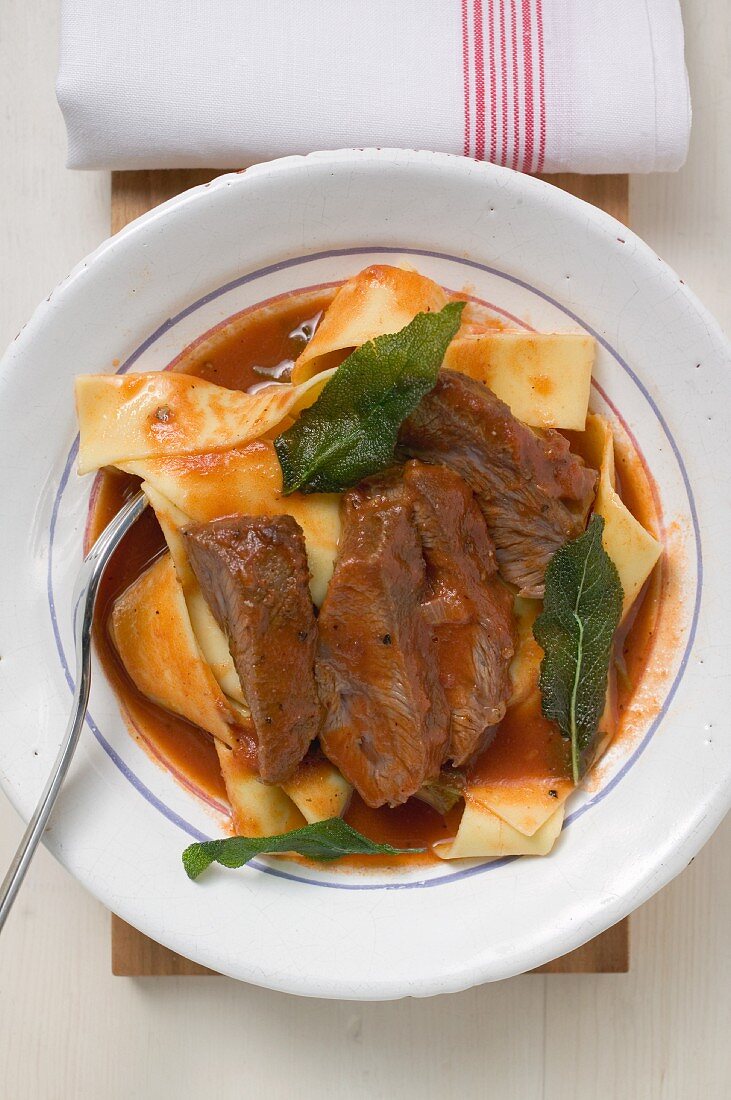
543, 259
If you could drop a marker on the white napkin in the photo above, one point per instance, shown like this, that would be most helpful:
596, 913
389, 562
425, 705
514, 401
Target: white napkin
540, 85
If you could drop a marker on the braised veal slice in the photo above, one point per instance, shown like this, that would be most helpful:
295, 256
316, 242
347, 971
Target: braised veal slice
253, 573
469, 607
386, 723
534, 493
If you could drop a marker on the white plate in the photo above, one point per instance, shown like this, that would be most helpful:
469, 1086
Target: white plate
121, 822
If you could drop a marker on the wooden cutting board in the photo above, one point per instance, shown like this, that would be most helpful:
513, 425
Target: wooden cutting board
135, 955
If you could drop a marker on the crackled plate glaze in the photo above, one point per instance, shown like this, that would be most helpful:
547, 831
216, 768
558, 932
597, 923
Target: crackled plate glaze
543, 259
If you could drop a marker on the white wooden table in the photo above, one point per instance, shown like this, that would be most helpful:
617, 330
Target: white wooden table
69, 1030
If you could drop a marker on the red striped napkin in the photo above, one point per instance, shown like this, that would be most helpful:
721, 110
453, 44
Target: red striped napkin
539, 85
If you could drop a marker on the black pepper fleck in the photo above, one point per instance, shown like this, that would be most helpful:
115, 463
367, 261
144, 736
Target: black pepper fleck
553, 794
386, 639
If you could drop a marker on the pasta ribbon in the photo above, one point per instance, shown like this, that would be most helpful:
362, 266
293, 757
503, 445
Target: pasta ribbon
126, 417
317, 790
528, 654
257, 809
204, 451
521, 782
543, 377
210, 637
247, 480
484, 835
154, 637
526, 805
381, 299
633, 550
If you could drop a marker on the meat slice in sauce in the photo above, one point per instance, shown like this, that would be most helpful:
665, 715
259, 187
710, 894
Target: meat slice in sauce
467, 604
386, 721
534, 494
253, 573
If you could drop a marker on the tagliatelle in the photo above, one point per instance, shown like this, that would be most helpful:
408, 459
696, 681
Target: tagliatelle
153, 635
633, 550
526, 796
210, 637
525, 806
381, 299
522, 778
204, 452
522, 816
318, 790
544, 378
526, 661
484, 835
257, 809
247, 480
154, 639
126, 417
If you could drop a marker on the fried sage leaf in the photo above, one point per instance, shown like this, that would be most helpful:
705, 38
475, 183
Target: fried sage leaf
324, 841
351, 430
581, 612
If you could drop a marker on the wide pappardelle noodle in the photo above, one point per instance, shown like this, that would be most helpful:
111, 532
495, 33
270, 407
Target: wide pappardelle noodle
378, 637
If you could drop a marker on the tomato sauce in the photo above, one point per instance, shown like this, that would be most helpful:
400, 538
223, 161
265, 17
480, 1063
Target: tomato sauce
259, 347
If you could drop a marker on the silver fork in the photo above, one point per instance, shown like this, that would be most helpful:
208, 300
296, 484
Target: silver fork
85, 593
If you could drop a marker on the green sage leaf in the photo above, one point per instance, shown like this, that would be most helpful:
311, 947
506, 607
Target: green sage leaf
324, 841
351, 430
581, 612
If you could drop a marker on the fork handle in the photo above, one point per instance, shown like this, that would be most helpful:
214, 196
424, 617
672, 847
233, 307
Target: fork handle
34, 831
85, 591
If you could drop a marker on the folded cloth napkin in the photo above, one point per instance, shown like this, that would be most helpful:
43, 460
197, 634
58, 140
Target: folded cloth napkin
539, 85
